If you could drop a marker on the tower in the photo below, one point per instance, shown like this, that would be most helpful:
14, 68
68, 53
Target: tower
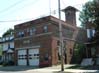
70, 15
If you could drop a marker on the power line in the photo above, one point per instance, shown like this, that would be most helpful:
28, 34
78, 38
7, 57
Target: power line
16, 20
51, 12
10, 7
24, 6
26, 19
72, 5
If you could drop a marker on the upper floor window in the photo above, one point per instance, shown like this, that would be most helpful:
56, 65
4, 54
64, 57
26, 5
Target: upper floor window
45, 28
21, 34
90, 33
7, 38
11, 37
3, 39
32, 31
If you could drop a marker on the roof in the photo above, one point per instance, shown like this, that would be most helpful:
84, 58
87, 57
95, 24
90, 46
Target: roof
70, 8
45, 19
7, 39
10, 51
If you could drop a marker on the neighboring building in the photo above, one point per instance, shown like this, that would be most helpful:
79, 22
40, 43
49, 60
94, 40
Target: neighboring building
91, 46
90, 34
7, 43
37, 41
0, 49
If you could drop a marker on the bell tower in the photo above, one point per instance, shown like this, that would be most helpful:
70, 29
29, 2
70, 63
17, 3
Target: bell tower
70, 15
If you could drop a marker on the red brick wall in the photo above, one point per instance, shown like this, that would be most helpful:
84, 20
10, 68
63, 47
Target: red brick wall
69, 50
54, 51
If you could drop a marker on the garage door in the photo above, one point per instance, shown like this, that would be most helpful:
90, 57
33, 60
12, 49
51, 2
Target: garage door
33, 57
22, 57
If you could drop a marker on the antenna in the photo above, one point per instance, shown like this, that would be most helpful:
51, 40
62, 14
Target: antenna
49, 7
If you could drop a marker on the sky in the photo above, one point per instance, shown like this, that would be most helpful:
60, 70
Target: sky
13, 12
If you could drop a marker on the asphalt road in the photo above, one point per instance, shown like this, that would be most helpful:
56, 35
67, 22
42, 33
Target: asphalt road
9, 72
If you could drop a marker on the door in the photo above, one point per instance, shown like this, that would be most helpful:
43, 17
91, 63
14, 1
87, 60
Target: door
22, 57
34, 57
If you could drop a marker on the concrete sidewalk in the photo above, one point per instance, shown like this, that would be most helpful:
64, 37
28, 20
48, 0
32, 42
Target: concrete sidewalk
53, 69
57, 69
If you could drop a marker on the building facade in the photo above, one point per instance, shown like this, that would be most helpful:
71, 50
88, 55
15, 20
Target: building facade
92, 46
1, 49
7, 43
37, 41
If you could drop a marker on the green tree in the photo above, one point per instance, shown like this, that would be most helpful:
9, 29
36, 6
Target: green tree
79, 53
90, 13
8, 32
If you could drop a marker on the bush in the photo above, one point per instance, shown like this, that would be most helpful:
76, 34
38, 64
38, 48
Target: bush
4, 63
1, 62
10, 63
79, 53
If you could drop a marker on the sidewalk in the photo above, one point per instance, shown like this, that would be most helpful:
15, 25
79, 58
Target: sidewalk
53, 69
57, 69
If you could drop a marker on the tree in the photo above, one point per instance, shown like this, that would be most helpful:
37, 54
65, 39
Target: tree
90, 13
79, 53
8, 32
90, 16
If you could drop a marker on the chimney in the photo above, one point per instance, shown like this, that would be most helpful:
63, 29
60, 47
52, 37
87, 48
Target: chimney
70, 15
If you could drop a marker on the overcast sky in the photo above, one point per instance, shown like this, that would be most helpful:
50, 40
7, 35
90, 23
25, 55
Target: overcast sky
13, 12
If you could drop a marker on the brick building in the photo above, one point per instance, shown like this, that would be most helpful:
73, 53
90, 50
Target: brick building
37, 41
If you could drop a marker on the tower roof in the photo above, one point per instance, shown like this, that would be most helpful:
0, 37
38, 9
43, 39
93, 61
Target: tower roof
69, 8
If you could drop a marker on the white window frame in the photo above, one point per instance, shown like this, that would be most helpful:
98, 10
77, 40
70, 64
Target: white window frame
45, 28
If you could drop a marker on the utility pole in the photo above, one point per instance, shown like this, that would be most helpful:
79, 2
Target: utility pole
60, 37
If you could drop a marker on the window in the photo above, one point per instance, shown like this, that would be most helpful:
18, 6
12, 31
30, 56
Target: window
32, 31
46, 57
8, 46
45, 28
58, 43
7, 38
71, 51
21, 34
11, 37
3, 39
90, 33
28, 30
